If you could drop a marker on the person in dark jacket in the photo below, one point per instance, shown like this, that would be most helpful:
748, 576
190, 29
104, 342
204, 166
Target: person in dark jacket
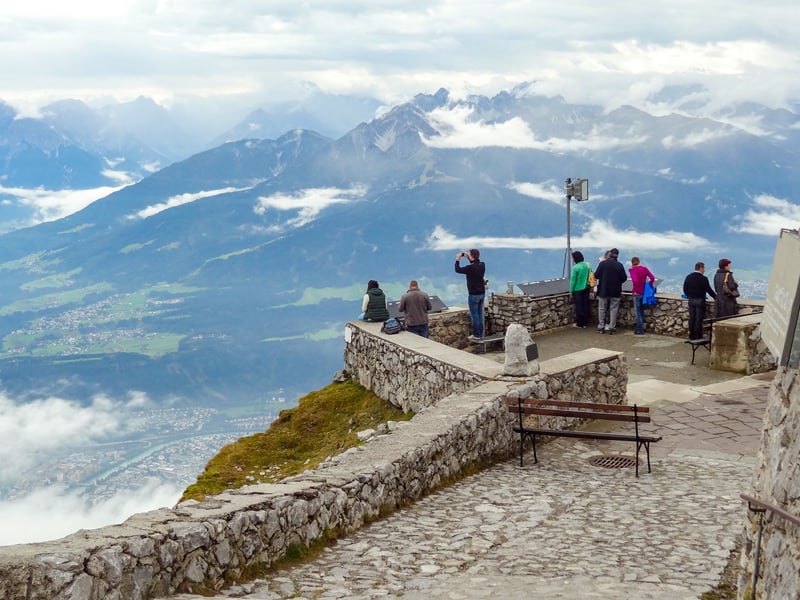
476, 289
695, 288
415, 304
373, 307
725, 305
610, 276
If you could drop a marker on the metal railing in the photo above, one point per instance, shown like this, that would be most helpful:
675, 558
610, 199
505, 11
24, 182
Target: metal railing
760, 506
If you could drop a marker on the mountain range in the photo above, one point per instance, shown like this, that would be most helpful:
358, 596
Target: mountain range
258, 227
224, 277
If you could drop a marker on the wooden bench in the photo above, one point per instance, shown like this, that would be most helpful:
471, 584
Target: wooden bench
582, 410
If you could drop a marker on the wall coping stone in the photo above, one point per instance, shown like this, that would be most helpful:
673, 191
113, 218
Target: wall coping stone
569, 362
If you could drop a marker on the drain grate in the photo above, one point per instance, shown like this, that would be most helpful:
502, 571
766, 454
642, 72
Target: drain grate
613, 461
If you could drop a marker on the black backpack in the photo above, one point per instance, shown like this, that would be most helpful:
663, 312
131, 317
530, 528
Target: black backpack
392, 326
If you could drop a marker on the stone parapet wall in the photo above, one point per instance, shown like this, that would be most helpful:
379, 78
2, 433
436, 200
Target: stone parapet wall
670, 316
737, 346
777, 482
451, 327
535, 314
409, 371
202, 546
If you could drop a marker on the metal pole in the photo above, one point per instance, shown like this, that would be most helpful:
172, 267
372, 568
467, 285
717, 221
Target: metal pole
569, 229
758, 552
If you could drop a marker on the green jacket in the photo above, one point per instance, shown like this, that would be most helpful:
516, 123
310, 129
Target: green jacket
580, 277
376, 306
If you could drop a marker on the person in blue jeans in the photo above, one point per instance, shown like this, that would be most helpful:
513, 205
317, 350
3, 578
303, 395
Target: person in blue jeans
639, 275
476, 288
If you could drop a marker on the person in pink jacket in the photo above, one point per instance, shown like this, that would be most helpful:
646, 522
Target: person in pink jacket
639, 275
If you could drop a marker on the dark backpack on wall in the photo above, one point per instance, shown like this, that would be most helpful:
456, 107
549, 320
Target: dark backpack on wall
391, 326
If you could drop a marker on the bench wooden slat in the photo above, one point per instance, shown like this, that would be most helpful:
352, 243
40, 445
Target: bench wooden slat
574, 404
599, 435
580, 414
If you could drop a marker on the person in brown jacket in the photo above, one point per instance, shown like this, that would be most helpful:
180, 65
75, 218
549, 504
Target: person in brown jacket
415, 304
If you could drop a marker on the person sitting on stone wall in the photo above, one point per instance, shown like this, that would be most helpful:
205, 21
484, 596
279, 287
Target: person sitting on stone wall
373, 307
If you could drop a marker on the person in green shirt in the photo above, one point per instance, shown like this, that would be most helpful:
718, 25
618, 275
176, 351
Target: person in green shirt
579, 289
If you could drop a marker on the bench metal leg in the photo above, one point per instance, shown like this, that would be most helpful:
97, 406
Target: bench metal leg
646, 445
522, 438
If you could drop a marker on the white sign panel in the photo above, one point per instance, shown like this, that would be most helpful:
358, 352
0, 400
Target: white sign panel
779, 322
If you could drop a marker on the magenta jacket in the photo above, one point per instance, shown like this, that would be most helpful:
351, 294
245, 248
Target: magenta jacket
640, 274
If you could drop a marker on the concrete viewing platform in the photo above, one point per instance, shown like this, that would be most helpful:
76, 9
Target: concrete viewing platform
566, 528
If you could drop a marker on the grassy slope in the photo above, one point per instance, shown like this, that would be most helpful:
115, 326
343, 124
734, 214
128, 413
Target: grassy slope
323, 424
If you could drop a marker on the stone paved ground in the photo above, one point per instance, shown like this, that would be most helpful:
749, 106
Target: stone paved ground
561, 528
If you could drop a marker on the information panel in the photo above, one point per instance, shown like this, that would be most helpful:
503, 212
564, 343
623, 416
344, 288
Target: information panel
779, 326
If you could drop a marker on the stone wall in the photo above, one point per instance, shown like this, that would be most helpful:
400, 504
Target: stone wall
409, 371
670, 316
200, 546
737, 346
451, 327
776, 481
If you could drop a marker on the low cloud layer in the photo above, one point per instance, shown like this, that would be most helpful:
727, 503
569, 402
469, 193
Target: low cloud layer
30, 430
458, 129
180, 200
307, 204
37, 437
49, 205
599, 235
52, 512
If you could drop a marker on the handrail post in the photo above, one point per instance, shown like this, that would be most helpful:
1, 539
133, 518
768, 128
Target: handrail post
761, 507
757, 559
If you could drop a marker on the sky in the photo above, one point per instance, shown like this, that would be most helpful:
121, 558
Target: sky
610, 53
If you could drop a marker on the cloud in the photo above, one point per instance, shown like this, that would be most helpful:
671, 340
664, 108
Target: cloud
34, 429
308, 203
51, 205
548, 191
768, 216
42, 438
608, 53
52, 512
695, 139
600, 234
457, 129
180, 200
552, 192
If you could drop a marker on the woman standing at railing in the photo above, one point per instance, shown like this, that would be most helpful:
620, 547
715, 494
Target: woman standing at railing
727, 289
